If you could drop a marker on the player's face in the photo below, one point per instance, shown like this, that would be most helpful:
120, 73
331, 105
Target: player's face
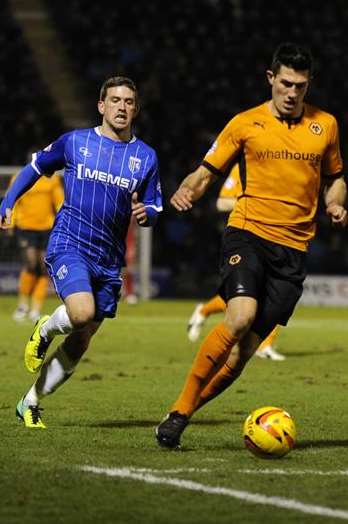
119, 108
289, 88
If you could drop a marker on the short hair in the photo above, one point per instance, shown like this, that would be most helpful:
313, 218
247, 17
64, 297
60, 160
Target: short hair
292, 55
115, 81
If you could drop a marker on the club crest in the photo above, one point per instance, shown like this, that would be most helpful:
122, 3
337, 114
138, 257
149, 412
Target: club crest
235, 259
134, 164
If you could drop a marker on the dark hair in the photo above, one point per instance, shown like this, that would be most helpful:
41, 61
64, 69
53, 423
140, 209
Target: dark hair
115, 81
292, 55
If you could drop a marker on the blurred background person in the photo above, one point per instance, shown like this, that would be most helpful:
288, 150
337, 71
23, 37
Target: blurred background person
129, 293
33, 218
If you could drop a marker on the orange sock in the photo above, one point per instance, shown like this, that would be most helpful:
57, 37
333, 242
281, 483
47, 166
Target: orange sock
223, 378
270, 339
215, 305
26, 283
212, 354
39, 292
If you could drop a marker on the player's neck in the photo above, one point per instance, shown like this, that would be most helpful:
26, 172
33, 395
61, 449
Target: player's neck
275, 112
123, 135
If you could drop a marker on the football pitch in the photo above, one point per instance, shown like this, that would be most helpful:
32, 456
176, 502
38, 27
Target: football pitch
98, 462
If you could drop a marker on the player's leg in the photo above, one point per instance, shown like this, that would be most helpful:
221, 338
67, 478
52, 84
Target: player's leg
27, 277
215, 350
54, 372
211, 356
280, 297
82, 314
76, 312
242, 272
201, 313
231, 369
72, 280
40, 289
267, 349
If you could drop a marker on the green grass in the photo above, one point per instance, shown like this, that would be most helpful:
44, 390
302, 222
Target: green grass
105, 415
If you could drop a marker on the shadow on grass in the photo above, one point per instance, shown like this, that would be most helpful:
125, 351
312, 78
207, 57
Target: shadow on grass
305, 444
144, 423
316, 352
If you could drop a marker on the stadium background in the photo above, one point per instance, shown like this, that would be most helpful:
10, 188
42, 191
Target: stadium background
196, 64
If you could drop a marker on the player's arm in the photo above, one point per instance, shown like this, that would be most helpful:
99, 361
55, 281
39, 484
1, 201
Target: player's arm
145, 216
225, 205
335, 195
23, 182
146, 203
192, 188
46, 161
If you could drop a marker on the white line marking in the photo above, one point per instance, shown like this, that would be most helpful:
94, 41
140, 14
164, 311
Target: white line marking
174, 470
343, 472
256, 498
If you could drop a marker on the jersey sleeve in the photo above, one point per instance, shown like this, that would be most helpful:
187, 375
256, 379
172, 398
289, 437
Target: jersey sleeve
151, 193
225, 148
332, 161
52, 158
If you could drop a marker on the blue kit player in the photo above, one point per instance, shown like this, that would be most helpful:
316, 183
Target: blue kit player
109, 176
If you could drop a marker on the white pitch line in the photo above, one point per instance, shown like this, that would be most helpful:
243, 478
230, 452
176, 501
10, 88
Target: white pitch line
340, 472
256, 498
173, 470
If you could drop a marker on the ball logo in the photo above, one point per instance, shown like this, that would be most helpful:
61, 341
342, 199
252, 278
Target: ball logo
235, 259
316, 128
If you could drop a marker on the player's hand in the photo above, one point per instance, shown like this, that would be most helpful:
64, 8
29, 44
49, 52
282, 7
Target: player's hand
182, 199
138, 210
5, 221
337, 214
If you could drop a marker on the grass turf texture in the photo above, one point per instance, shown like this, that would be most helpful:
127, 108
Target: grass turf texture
105, 415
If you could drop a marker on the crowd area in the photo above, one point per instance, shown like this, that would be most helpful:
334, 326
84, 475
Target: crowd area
196, 65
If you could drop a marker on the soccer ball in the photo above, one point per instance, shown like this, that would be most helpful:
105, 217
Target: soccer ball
269, 432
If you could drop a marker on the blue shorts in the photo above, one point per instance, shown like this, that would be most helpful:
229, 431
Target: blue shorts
74, 273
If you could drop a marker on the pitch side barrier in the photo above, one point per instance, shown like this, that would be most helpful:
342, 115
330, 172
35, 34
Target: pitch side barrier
325, 290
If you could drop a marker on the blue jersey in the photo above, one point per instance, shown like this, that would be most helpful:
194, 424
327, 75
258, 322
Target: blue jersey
99, 178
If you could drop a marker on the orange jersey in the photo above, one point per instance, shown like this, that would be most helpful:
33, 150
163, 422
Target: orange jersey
280, 170
231, 188
36, 209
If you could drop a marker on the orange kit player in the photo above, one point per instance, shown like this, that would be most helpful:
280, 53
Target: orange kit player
286, 150
225, 203
33, 219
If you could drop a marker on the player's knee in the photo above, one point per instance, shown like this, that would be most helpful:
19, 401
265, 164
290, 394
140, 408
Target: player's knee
81, 317
240, 323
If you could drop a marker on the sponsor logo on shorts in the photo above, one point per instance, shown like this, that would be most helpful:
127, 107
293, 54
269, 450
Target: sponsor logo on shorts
234, 259
62, 272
